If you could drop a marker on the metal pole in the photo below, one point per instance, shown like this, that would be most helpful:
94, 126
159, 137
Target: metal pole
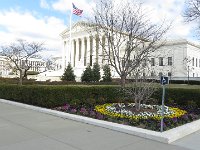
188, 74
70, 35
162, 115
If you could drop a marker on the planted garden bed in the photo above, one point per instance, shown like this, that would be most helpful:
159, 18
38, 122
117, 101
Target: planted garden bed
148, 117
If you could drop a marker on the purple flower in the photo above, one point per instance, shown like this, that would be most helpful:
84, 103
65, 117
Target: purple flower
185, 117
73, 111
84, 111
174, 119
92, 113
99, 116
65, 107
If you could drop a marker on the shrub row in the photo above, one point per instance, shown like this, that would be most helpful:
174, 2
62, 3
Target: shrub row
33, 82
52, 96
179, 96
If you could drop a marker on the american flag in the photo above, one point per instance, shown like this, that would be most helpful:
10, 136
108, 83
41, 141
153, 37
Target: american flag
76, 11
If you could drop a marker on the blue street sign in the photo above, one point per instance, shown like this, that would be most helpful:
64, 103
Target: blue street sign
164, 80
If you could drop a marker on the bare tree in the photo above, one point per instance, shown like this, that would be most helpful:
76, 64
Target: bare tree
192, 11
189, 62
51, 64
143, 85
19, 53
130, 36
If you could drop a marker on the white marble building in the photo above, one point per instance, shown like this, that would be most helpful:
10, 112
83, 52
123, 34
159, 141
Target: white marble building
85, 48
6, 67
177, 59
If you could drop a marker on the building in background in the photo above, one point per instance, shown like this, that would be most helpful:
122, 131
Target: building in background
57, 62
178, 59
7, 68
4, 67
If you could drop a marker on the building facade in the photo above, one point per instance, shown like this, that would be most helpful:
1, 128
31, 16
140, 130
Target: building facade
8, 68
84, 50
178, 59
4, 66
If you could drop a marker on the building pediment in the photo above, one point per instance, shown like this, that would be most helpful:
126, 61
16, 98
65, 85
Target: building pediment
76, 28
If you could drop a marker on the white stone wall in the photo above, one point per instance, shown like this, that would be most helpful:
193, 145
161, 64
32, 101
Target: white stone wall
193, 53
175, 50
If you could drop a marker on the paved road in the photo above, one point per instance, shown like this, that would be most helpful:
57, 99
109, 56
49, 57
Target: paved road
23, 129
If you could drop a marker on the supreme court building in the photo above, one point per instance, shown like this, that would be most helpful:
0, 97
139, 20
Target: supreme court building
178, 59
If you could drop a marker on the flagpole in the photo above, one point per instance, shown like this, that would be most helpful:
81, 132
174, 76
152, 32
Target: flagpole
70, 36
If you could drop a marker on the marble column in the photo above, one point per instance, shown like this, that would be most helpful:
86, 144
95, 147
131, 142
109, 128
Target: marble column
88, 52
67, 52
77, 52
82, 50
97, 49
73, 53
106, 51
103, 50
64, 56
100, 51
79, 49
91, 50
94, 50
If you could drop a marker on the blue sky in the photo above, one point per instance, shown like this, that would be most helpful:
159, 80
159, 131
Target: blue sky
44, 20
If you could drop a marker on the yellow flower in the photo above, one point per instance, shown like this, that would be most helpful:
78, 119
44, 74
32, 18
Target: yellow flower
176, 112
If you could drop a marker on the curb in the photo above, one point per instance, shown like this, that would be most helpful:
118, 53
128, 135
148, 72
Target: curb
164, 137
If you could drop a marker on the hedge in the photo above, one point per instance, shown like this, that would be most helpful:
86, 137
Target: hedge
52, 96
48, 82
179, 96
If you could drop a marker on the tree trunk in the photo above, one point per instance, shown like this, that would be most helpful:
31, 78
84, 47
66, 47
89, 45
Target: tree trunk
137, 105
20, 77
123, 81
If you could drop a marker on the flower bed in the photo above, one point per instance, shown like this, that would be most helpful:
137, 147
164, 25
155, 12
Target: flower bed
148, 118
122, 110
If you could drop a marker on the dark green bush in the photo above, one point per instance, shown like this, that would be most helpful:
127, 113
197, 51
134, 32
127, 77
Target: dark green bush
96, 72
107, 74
68, 74
52, 96
87, 75
179, 96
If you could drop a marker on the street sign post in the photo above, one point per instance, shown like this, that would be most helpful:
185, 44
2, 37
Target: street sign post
163, 81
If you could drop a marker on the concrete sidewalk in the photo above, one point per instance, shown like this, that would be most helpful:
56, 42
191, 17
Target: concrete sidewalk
23, 129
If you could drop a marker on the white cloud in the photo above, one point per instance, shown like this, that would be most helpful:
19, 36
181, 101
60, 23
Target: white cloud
171, 11
16, 25
44, 4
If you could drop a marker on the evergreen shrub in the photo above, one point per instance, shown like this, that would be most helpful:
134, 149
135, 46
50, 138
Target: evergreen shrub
87, 75
68, 74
